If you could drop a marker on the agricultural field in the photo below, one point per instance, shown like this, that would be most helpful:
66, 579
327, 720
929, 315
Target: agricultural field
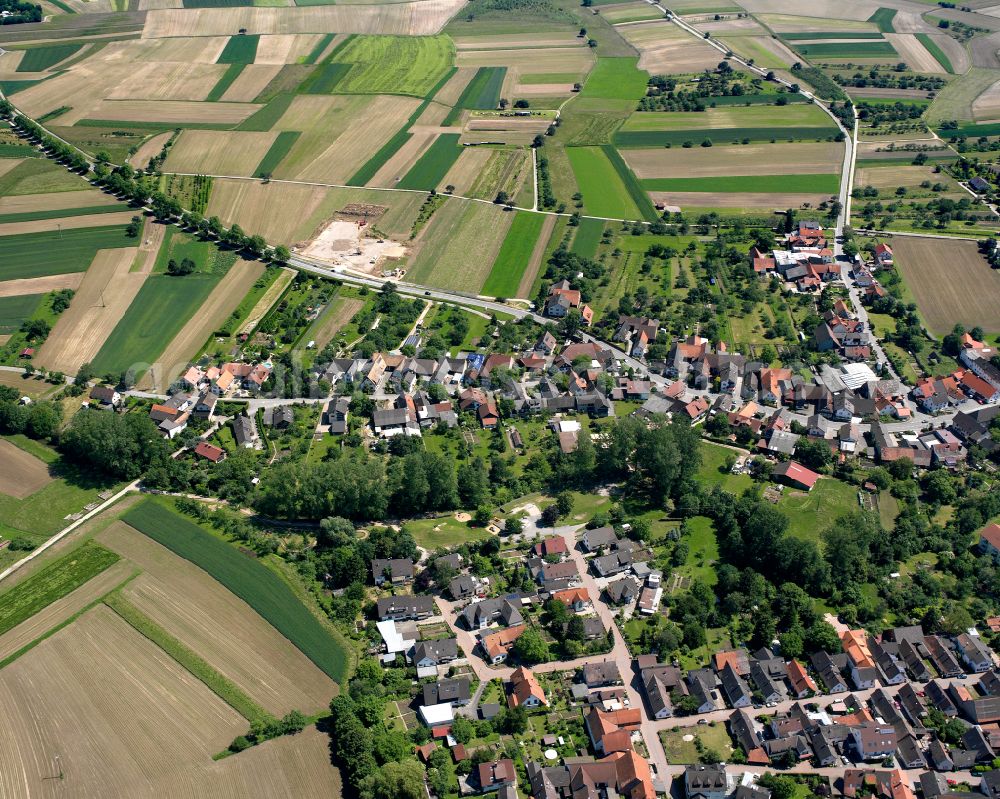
937, 272
394, 64
515, 255
54, 252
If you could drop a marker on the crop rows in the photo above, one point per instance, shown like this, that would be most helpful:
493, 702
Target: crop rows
662, 138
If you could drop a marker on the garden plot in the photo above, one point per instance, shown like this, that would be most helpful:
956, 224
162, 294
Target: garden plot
664, 48
343, 242
40, 285
121, 714
106, 292
274, 210
751, 159
216, 152
21, 473
420, 18
214, 311
219, 626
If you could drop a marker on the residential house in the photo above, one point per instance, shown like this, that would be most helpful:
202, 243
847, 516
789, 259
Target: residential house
942, 657
394, 570
403, 608
480, 615
497, 645
456, 692
204, 406
611, 731
828, 672
496, 775
601, 538
802, 684
245, 432
551, 547
623, 591
601, 674
706, 782
280, 418
989, 540
576, 599
525, 691
974, 653
210, 452
874, 741
434, 653
735, 687
106, 396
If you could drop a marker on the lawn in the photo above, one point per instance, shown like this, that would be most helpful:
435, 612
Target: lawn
604, 192
515, 252
52, 582
712, 458
38, 59
711, 736
246, 577
587, 237
616, 79
57, 252
241, 49
15, 310
809, 512
395, 64
443, 531
279, 149
433, 165
703, 551
810, 184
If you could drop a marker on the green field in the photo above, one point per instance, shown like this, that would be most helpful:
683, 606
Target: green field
267, 117
604, 192
399, 138
514, 255
246, 577
674, 138
38, 176
631, 183
587, 237
279, 149
38, 59
433, 165
797, 115
395, 64
232, 72
939, 54
883, 18
813, 36
873, 49
325, 79
61, 213
57, 252
482, 93
54, 581
240, 49
616, 79
968, 131
829, 499
217, 3
321, 45
806, 184
15, 310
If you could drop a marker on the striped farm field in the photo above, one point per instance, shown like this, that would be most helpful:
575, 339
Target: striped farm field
278, 150
394, 64
15, 309
38, 59
514, 255
481, 93
249, 579
796, 115
430, 169
56, 252
696, 136
806, 184
744, 159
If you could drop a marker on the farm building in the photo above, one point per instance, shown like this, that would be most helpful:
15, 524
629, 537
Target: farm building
796, 475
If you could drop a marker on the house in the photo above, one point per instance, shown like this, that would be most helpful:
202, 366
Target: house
874, 741
601, 538
649, 599
802, 684
204, 406
942, 657
975, 654
551, 547
978, 185
245, 432
828, 672
456, 692
883, 254
623, 774
735, 687
622, 592
989, 540
106, 396
403, 608
576, 599
737, 658
524, 690
210, 452
280, 418
769, 689
480, 615
434, 653
598, 675
496, 775
488, 415
394, 570
795, 475
611, 731
864, 674
498, 645
464, 586
438, 717
706, 782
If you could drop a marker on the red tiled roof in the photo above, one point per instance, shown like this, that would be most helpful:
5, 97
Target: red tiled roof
991, 535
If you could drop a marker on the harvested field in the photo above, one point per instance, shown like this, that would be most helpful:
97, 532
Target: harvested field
149, 149
251, 82
274, 210
824, 15
21, 473
106, 292
460, 245
421, 18
285, 49
208, 318
219, 626
28, 386
987, 105
765, 51
340, 312
664, 48
939, 273
955, 100
544, 39
890, 177
66, 223
63, 609
83, 88
754, 200
452, 90
154, 80
269, 298
189, 50
751, 159
560, 59
28, 203
914, 53
40, 285
216, 152
393, 170
122, 714
467, 169
172, 112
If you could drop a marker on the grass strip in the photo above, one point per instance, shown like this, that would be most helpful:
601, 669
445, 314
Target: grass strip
481, 93
399, 138
232, 72
883, 19
59, 213
268, 116
661, 138
321, 45
632, 184
278, 150
246, 577
53, 582
433, 165
807, 184
514, 255
935, 50
240, 49
218, 684
587, 237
